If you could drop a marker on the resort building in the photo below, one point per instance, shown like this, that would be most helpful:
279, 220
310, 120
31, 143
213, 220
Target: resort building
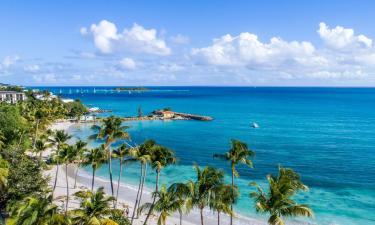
12, 96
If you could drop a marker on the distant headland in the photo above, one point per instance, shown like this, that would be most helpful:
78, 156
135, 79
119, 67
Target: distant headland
131, 89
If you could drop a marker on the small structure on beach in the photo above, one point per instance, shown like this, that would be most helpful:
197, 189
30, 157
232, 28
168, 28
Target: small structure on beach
167, 114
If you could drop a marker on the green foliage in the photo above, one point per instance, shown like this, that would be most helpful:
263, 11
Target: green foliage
36, 211
94, 207
4, 172
25, 179
11, 88
12, 125
75, 109
111, 130
167, 202
118, 217
278, 202
167, 109
237, 154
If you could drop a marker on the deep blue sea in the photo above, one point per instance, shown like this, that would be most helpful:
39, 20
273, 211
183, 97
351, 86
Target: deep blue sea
325, 134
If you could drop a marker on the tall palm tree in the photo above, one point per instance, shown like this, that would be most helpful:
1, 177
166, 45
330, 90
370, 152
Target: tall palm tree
94, 208
4, 172
95, 157
198, 192
2, 139
38, 116
167, 203
180, 193
142, 154
237, 154
40, 147
161, 157
278, 202
34, 210
222, 198
120, 153
58, 140
111, 131
67, 155
80, 149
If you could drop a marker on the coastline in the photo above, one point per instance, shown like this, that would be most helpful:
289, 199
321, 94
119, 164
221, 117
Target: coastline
127, 193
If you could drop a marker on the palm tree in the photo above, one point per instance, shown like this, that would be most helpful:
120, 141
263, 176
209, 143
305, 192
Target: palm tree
198, 193
180, 193
67, 155
2, 139
143, 155
80, 149
38, 116
4, 172
94, 208
58, 140
161, 157
167, 203
278, 202
35, 210
238, 153
40, 147
222, 198
111, 131
95, 157
120, 153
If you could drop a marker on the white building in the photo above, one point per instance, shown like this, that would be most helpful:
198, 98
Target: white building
12, 96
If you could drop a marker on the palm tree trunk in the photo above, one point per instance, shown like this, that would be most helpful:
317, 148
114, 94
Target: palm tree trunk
153, 201
218, 217
56, 174
118, 182
76, 174
67, 188
57, 170
180, 217
136, 199
110, 173
36, 134
231, 205
201, 212
93, 178
142, 185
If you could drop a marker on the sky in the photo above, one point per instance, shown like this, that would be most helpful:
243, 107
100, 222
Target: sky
187, 43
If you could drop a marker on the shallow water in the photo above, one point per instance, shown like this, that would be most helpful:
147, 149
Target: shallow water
326, 134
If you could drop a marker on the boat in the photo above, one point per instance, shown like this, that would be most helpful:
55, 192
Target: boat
255, 125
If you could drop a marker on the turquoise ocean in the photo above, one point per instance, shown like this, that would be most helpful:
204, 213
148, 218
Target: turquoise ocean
325, 134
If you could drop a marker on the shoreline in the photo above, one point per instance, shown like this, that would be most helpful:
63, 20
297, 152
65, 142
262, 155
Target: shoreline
127, 193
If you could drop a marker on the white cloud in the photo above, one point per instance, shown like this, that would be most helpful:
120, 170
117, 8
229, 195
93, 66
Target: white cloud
246, 50
170, 67
342, 38
107, 39
9, 61
180, 39
127, 64
45, 78
347, 56
31, 68
142, 40
105, 33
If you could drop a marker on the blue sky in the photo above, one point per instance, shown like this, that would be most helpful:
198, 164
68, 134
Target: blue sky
236, 43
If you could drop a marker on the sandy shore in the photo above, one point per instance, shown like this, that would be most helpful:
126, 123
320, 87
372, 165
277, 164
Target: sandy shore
127, 194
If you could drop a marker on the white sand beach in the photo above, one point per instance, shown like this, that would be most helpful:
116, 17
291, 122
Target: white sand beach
127, 194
